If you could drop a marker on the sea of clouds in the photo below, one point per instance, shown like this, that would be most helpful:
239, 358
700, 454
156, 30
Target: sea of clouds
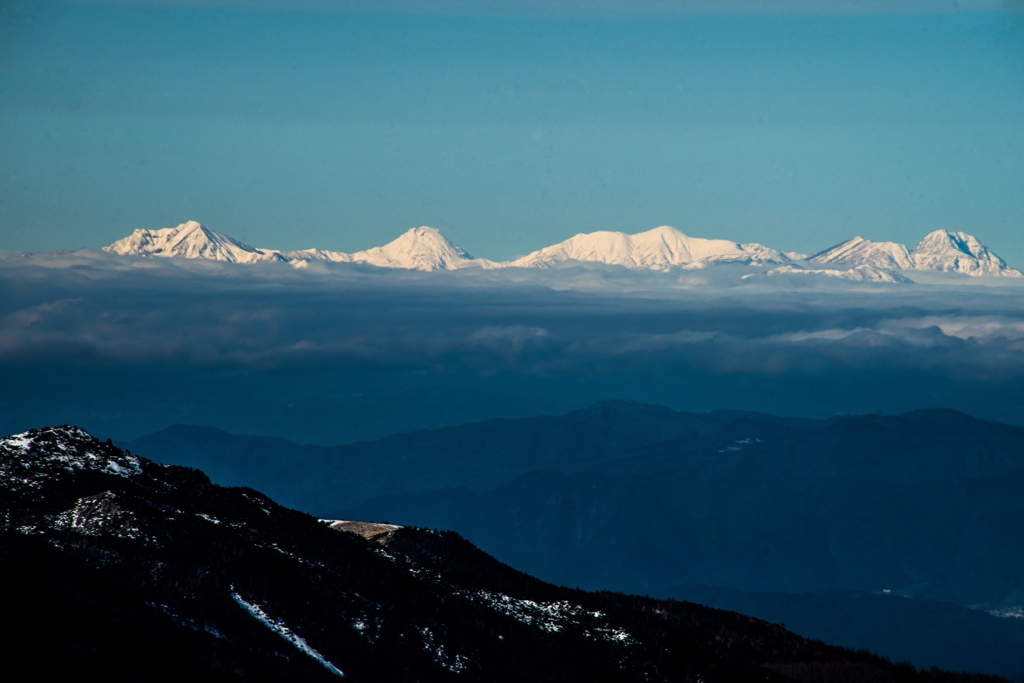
692, 339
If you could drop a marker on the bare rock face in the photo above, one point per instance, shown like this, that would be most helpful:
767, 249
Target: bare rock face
372, 531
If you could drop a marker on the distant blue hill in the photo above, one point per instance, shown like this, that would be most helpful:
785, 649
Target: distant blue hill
645, 499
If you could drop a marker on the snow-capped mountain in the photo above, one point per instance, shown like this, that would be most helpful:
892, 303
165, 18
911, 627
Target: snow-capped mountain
958, 252
858, 251
658, 249
190, 240
941, 250
663, 248
421, 248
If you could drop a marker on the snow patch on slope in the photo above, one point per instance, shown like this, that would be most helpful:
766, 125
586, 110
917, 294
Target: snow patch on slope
858, 274
552, 617
281, 629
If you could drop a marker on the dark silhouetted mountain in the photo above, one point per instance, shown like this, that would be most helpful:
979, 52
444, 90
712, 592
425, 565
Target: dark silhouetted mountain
120, 568
640, 498
480, 456
917, 630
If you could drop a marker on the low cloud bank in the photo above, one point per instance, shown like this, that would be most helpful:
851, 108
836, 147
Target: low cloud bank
89, 308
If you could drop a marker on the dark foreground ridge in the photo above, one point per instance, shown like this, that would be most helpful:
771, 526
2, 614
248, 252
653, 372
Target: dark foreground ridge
120, 567
827, 526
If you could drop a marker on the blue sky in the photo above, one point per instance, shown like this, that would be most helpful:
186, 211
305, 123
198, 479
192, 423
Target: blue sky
780, 123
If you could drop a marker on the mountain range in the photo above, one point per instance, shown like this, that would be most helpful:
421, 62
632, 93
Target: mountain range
117, 568
838, 527
660, 249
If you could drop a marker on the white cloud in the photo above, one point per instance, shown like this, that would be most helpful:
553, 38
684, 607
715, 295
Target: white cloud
84, 307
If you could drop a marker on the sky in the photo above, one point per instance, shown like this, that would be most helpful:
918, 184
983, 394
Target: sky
511, 126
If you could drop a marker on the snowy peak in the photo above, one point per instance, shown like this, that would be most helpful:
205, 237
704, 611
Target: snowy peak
29, 460
422, 248
190, 240
858, 251
941, 250
958, 252
658, 249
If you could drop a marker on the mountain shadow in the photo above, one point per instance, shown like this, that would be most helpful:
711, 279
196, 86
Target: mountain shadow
119, 567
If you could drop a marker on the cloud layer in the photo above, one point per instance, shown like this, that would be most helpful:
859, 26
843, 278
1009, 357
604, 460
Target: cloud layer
331, 354
576, 321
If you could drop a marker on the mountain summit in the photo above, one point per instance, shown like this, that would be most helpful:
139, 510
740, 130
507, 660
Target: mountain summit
661, 249
940, 250
958, 252
658, 249
422, 248
857, 251
190, 240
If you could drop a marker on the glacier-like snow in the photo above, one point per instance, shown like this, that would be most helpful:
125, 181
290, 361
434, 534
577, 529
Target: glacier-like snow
661, 249
420, 248
858, 251
190, 240
958, 252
